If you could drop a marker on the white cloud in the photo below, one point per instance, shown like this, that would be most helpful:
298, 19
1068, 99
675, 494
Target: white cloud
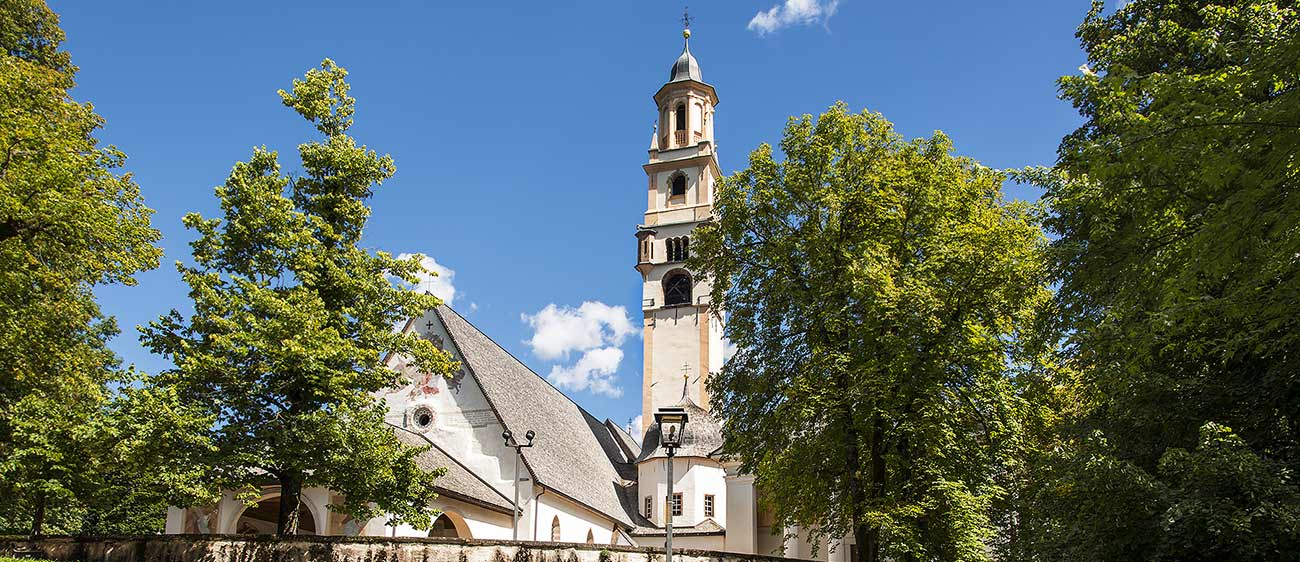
594, 371
561, 330
793, 12
594, 329
473, 307
635, 428
728, 350
439, 283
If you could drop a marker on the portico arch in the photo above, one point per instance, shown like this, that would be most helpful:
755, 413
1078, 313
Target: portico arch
261, 518
450, 525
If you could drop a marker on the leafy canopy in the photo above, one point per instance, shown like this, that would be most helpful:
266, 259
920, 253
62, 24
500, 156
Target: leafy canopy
69, 221
1175, 208
293, 319
875, 289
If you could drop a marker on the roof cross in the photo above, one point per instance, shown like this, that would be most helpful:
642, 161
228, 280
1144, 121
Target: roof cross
686, 17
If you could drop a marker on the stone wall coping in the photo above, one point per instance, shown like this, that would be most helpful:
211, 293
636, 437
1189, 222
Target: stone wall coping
9, 543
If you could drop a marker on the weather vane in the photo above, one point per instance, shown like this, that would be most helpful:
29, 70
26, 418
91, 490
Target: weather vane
686, 17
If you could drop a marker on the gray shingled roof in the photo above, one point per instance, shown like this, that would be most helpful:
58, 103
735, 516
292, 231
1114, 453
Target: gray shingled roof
631, 449
701, 438
574, 454
685, 67
704, 528
458, 482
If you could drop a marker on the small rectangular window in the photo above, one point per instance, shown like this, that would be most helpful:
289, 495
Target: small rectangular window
649, 507
677, 504
708, 505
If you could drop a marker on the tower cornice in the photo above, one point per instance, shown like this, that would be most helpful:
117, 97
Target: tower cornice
661, 96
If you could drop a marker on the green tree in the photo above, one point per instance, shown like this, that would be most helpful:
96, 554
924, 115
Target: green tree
1176, 205
875, 289
69, 221
292, 321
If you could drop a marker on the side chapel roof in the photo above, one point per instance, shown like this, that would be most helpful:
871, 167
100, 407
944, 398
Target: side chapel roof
458, 482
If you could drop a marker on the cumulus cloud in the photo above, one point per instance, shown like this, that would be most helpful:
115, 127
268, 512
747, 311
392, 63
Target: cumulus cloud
594, 371
793, 12
561, 330
635, 428
595, 330
440, 283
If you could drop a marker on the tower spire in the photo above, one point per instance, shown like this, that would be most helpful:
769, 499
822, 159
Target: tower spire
686, 25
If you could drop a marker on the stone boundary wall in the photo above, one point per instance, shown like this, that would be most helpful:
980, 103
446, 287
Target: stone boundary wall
241, 548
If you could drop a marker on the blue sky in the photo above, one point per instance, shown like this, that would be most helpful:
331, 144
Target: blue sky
519, 128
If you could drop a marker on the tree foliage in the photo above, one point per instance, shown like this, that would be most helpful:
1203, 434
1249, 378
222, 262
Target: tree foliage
292, 320
1176, 208
69, 221
876, 289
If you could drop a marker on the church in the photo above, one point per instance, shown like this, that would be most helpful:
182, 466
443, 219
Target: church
581, 480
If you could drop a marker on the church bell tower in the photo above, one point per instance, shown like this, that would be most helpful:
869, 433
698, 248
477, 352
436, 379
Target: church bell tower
682, 338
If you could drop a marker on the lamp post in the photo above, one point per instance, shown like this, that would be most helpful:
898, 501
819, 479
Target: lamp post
672, 421
510, 442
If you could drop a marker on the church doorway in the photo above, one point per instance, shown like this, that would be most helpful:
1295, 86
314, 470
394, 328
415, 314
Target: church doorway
261, 518
449, 525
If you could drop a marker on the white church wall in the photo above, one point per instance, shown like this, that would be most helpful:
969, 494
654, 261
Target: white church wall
482, 523
709, 542
575, 521
693, 478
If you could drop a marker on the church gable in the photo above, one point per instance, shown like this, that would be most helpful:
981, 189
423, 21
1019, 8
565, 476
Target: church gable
451, 413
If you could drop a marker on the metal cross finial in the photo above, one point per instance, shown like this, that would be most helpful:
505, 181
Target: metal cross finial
686, 17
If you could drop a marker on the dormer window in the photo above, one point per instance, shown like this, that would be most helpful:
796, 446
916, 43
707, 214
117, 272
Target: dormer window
677, 288
677, 189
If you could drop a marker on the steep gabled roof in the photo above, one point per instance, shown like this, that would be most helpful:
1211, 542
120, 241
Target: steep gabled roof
458, 482
574, 454
631, 449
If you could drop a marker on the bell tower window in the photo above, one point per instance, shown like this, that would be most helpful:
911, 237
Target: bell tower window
679, 249
679, 132
677, 288
677, 189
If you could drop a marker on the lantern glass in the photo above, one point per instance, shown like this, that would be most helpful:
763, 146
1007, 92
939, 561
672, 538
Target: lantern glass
671, 424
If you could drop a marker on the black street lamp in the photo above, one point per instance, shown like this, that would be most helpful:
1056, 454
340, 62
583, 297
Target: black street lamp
510, 442
672, 422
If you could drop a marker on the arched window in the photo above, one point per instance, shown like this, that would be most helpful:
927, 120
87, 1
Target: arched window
677, 288
681, 117
677, 189
555, 529
679, 249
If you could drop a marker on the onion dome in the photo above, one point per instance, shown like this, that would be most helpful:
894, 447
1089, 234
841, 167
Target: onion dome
701, 436
686, 68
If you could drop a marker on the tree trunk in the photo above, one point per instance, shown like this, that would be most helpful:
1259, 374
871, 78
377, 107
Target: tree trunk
853, 466
871, 545
290, 499
38, 515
